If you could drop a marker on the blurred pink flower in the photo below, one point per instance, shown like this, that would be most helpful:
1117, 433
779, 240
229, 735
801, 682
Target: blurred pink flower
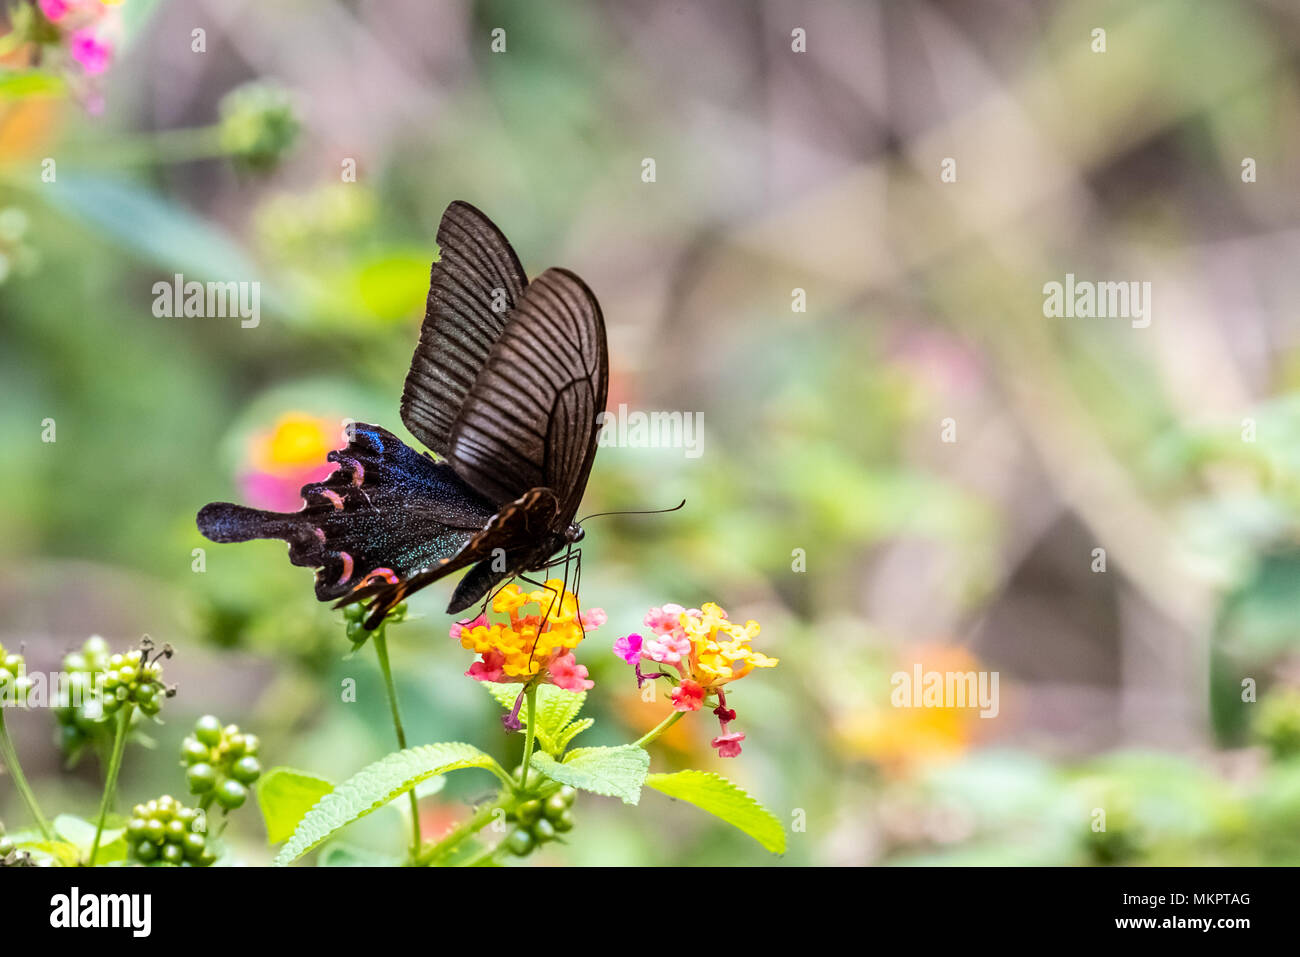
92, 53
287, 456
55, 10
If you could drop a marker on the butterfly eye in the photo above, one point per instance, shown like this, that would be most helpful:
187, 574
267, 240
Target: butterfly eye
574, 533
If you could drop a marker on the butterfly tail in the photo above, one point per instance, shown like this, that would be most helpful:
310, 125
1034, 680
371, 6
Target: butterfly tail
226, 522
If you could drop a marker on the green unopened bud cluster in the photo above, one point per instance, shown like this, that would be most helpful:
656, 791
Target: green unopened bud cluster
133, 678
259, 124
540, 820
98, 683
222, 762
81, 719
355, 616
14, 683
164, 831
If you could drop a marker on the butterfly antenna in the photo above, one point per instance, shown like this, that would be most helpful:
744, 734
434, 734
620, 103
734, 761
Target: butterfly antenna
639, 511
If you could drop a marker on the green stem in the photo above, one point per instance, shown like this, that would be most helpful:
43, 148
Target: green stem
486, 854
110, 782
10, 755
467, 828
530, 696
163, 146
381, 650
658, 729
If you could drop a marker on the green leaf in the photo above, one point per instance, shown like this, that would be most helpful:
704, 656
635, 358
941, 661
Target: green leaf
555, 709
393, 286
31, 83
345, 855
158, 230
571, 732
285, 795
505, 694
715, 794
80, 833
613, 772
60, 853
375, 786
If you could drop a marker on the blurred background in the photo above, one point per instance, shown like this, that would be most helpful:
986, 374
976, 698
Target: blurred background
128, 154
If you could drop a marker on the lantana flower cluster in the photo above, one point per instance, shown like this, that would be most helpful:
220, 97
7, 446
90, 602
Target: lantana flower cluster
707, 650
536, 643
85, 31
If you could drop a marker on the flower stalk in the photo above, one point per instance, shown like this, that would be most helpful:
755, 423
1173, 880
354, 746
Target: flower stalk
10, 755
110, 781
381, 652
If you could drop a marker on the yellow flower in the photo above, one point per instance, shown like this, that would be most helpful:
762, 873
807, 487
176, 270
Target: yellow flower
295, 441
720, 649
540, 642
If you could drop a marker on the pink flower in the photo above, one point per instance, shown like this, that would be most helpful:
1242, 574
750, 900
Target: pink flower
93, 54
566, 673
458, 626
664, 620
55, 10
668, 649
688, 696
629, 648
728, 745
491, 668
594, 618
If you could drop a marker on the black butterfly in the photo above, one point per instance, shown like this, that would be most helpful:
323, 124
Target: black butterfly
505, 386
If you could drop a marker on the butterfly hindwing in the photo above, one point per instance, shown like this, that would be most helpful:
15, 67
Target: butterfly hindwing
498, 551
385, 513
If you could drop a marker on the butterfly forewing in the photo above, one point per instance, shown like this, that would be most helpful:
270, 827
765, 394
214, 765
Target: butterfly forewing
473, 286
531, 418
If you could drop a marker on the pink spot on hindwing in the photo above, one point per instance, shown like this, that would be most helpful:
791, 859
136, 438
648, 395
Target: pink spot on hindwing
387, 574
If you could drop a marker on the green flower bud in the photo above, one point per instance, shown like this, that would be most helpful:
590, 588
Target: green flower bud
259, 124
520, 842
528, 812
246, 770
208, 730
194, 751
544, 831
201, 777
231, 794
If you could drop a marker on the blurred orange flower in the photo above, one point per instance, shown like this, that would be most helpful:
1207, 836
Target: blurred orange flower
901, 740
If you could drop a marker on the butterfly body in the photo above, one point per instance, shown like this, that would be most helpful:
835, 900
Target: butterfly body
506, 386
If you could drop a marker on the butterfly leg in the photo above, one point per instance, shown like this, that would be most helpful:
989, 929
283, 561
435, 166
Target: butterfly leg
488, 600
555, 596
